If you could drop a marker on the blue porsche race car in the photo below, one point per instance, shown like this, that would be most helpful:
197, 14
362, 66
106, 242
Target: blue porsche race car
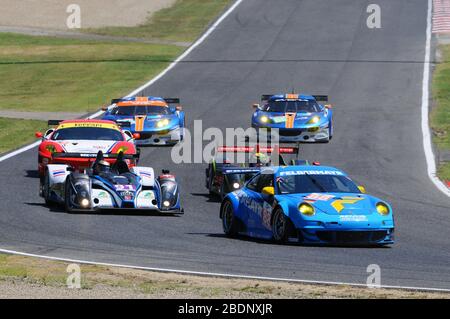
298, 118
152, 120
311, 204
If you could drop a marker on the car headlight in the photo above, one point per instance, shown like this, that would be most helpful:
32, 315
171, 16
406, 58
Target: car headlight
162, 123
236, 185
264, 119
166, 203
314, 120
306, 209
84, 202
382, 209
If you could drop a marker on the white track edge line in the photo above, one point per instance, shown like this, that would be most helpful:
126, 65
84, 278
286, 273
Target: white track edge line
156, 78
222, 275
427, 144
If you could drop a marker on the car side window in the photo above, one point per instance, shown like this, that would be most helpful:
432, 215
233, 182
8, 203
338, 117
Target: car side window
266, 180
253, 183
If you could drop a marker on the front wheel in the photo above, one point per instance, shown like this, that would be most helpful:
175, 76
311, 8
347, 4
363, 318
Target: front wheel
229, 221
67, 198
46, 190
281, 226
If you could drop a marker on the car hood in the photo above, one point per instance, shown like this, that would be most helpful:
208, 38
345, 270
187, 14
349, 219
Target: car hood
86, 146
149, 122
337, 203
278, 120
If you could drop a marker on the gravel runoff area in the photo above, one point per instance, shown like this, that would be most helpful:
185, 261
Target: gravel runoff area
51, 14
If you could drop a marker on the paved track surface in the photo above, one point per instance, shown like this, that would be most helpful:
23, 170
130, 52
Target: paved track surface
323, 47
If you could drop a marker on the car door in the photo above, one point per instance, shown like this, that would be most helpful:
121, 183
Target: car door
248, 203
261, 205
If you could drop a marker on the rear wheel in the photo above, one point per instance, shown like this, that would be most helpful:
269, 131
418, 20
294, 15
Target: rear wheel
229, 221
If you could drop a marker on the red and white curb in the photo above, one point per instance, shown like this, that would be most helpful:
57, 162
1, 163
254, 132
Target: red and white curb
441, 16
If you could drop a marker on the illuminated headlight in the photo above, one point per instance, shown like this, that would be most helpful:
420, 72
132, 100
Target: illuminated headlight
166, 203
313, 129
162, 123
264, 119
306, 209
84, 203
314, 120
236, 185
382, 209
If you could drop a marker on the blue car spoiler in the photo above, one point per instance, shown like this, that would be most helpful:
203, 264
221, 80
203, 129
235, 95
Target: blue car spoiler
323, 98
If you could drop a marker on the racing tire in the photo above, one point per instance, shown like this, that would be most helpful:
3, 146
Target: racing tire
281, 226
67, 205
229, 221
46, 190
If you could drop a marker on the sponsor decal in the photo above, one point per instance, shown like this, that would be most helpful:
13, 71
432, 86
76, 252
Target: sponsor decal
59, 173
124, 187
316, 196
353, 218
290, 118
314, 172
339, 204
88, 124
145, 174
102, 195
278, 119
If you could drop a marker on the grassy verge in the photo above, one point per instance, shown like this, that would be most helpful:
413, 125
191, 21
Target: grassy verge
183, 22
49, 74
47, 279
440, 115
17, 132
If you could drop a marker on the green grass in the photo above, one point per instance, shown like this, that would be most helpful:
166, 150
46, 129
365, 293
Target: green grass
183, 22
14, 133
440, 114
444, 171
106, 70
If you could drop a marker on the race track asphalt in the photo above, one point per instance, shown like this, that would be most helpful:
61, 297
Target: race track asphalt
374, 76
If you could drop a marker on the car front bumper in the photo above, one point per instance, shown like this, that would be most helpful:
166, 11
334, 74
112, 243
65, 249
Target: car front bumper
160, 138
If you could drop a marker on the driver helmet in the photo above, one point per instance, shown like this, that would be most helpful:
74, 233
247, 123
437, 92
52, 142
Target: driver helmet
259, 159
102, 166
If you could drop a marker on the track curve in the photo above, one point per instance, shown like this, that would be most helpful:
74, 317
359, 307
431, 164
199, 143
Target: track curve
320, 46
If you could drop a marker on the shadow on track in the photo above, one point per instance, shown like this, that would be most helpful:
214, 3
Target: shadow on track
291, 243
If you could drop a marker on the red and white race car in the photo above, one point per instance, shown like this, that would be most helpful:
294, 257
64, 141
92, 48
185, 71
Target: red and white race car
77, 142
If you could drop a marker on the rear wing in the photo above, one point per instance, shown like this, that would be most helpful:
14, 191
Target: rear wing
258, 149
240, 170
319, 98
93, 155
54, 122
168, 100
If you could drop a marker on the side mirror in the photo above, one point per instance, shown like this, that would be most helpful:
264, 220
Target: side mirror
268, 190
136, 136
104, 108
362, 189
329, 106
256, 106
38, 134
178, 108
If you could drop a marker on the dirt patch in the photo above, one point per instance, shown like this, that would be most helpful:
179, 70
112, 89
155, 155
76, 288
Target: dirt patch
51, 14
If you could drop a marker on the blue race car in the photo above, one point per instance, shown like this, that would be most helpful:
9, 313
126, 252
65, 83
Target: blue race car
299, 118
152, 120
311, 204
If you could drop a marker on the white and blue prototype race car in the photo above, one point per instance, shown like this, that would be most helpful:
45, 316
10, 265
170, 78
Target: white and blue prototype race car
116, 187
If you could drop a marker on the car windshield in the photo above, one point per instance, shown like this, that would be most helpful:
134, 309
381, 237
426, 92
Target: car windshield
315, 183
87, 133
305, 106
140, 110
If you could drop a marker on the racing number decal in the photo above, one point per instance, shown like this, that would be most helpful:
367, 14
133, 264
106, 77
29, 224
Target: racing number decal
338, 204
290, 117
139, 126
